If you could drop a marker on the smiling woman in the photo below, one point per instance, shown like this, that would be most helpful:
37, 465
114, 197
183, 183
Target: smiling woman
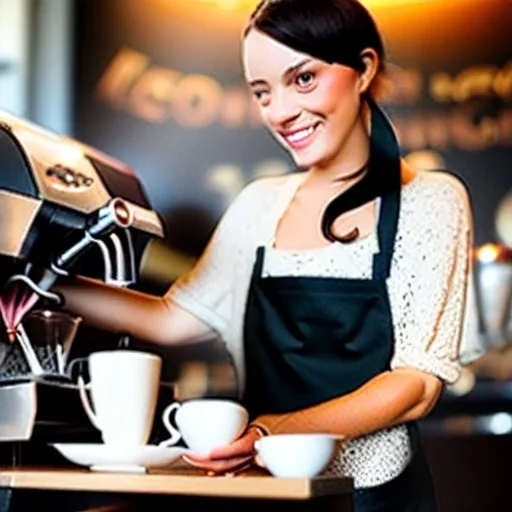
303, 102
339, 289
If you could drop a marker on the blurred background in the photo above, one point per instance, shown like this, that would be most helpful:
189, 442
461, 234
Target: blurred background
158, 84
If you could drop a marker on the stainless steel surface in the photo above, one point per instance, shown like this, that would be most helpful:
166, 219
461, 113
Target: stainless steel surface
494, 297
493, 280
18, 212
45, 150
73, 207
74, 182
18, 409
146, 220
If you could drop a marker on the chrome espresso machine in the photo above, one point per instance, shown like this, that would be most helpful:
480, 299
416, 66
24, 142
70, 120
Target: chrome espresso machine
65, 208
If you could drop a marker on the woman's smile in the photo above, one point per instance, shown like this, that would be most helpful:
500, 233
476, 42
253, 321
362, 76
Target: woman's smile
300, 138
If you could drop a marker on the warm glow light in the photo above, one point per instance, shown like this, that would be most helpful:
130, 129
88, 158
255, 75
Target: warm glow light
488, 253
240, 4
230, 4
249, 5
390, 3
71, 154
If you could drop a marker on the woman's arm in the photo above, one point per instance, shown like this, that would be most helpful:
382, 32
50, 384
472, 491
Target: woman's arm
148, 317
196, 305
391, 398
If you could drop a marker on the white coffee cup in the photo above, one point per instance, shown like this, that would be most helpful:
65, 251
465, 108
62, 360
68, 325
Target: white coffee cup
296, 455
124, 389
205, 423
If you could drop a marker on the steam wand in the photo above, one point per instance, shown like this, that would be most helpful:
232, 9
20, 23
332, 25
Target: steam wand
42, 288
116, 214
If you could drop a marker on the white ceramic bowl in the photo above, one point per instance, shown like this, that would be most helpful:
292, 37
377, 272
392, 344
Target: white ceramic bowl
296, 455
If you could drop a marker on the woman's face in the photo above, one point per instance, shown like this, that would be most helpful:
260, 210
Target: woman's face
311, 107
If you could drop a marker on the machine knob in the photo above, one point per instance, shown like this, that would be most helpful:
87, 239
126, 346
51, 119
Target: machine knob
122, 213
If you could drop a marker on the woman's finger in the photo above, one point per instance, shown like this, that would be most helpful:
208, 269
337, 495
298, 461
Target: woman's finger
241, 469
198, 459
219, 466
241, 447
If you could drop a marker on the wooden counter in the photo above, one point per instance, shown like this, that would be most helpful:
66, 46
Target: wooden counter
298, 493
243, 486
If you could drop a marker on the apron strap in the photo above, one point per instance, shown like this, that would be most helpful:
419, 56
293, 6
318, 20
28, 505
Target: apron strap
385, 156
257, 270
387, 228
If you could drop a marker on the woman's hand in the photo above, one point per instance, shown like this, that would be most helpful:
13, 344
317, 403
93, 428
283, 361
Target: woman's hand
230, 459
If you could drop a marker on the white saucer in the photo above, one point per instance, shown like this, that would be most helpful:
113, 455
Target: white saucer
101, 457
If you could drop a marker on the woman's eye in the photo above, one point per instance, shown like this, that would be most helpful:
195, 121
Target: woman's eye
260, 95
305, 79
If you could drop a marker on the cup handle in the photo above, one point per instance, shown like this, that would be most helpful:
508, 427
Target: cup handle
257, 458
85, 402
175, 434
71, 366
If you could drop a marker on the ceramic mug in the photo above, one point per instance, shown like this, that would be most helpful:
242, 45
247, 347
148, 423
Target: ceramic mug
124, 390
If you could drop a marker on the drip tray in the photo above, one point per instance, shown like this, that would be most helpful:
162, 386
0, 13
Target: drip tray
29, 406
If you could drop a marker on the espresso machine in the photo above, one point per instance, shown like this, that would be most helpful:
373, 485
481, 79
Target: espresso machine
65, 209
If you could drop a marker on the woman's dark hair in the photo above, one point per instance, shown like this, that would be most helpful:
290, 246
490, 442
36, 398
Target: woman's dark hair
337, 31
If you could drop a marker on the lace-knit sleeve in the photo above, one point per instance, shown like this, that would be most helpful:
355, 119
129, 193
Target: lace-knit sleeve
428, 291
207, 290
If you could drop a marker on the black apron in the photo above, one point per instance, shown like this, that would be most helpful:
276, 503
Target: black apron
311, 339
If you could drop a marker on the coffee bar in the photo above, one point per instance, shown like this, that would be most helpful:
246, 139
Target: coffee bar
127, 130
